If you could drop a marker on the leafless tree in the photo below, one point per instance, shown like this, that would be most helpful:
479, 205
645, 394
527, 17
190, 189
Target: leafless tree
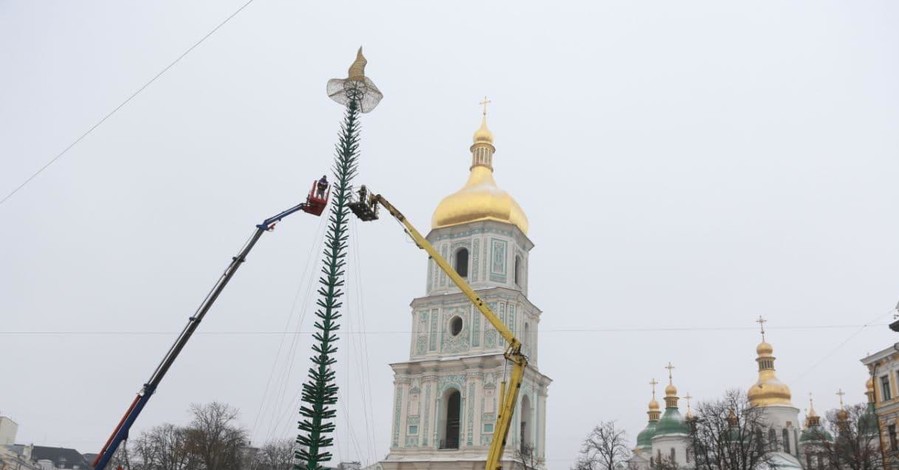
729, 434
277, 455
664, 463
856, 439
605, 448
212, 441
526, 456
163, 447
214, 437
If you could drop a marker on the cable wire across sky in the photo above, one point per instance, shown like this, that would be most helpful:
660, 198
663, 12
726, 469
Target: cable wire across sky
396, 332
123, 103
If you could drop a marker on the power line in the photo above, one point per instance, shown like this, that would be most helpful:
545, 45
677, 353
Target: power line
396, 332
846, 341
123, 103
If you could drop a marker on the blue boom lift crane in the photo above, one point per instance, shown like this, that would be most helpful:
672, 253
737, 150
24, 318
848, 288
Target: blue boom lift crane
315, 204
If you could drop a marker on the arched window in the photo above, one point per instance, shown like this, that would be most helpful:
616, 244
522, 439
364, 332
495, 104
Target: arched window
517, 270
772, 439
451, 414
526, 411
462, 262
786, 438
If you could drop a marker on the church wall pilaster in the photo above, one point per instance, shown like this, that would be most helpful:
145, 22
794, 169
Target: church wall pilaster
430, 419
541, 426
476, 259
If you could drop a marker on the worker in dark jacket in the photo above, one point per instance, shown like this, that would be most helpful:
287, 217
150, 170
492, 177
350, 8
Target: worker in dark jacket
321, 187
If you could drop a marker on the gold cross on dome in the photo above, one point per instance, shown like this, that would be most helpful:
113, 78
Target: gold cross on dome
688, 397
670, 368
840, 394
653, 382
811, 400
484, 103
761, 321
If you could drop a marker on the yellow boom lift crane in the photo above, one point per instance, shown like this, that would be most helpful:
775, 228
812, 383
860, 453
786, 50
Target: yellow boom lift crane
366, 208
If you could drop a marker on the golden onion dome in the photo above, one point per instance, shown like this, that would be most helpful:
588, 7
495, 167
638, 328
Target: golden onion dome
670, 390
480, 198
768, 390
653, 405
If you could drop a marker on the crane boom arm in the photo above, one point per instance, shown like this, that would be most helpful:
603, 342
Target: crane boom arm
367, 210
120, 433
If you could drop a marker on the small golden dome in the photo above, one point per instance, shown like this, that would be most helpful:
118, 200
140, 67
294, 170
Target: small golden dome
732, 418
842, 415
480, 198
764, 349
483, 134
670, 390
653, 405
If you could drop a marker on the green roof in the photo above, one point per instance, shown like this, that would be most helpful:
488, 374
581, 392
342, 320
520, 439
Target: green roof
867, 422
671, 423
644, 439
815, 434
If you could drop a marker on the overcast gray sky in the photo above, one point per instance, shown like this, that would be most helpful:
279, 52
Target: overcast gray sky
685, 166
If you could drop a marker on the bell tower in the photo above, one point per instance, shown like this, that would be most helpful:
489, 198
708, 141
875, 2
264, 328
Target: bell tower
446, 395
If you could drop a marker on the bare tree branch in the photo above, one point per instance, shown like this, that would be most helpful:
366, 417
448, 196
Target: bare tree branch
856, 439
214, 437
728, 434
605, 448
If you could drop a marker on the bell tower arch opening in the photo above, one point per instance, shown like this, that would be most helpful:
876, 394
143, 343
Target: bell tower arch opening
450, 416
461, 263
526, 442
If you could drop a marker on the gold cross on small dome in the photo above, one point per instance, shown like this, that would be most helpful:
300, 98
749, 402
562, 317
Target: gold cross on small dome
484, 103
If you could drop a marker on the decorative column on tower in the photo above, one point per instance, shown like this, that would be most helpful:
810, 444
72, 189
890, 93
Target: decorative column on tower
446, 394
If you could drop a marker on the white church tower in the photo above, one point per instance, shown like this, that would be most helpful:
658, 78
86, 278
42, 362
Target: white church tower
446, 395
